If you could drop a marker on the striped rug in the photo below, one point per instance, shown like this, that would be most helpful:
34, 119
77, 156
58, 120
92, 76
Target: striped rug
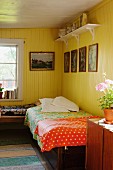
19, 157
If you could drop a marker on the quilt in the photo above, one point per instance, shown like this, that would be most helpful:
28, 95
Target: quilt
57, 129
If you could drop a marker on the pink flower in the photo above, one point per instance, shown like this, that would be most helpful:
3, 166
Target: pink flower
108, 81
101, 87
107, 87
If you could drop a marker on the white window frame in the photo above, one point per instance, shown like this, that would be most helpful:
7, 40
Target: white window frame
20, 50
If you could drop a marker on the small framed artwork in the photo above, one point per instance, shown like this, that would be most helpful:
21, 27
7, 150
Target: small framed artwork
82, 59
42, 61
93, 58
66, 62
74, 61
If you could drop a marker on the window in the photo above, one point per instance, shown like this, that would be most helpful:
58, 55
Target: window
11, 63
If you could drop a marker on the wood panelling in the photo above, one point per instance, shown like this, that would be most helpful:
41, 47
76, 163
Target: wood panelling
94, 146
80, 86
37, 84
108, 150
99, 147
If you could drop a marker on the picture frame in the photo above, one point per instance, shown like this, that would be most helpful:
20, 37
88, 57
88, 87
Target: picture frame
74, 60
66, 62
93, 58
42, 61
82, 59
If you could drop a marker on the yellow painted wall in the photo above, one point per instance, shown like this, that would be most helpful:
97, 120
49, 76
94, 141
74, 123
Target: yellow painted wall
80, 86
37, 84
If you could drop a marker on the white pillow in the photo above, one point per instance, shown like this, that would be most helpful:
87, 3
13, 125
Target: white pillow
52, 108
64, 102
46, 101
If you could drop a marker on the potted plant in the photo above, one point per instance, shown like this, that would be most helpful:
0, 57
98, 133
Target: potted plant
106, 101
1, 90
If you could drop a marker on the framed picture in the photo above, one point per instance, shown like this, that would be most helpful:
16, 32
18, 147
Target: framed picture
93, 58
82, 59
66, 61
74, 61
42, 61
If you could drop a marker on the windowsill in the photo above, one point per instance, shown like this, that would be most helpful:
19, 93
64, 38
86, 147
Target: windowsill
10, 100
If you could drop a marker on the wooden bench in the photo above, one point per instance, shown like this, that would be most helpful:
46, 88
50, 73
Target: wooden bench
14, 113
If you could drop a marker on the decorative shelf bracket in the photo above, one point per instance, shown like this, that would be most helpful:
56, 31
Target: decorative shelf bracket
91, 30
77, 37
65, 41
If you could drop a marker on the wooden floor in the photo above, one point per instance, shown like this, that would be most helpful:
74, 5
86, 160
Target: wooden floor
71, 159
11, 133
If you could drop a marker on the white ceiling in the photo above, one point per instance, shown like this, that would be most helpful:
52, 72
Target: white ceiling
41, 13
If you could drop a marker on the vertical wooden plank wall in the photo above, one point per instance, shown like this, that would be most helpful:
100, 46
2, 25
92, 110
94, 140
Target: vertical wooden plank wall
80, 86
37, 84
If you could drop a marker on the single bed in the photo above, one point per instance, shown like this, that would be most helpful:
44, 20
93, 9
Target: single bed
60, 135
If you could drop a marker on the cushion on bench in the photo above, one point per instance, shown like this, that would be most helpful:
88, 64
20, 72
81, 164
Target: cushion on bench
19, 110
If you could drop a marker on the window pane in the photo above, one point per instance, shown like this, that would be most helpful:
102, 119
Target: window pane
7, 71
7, 54
10, 85
11, 65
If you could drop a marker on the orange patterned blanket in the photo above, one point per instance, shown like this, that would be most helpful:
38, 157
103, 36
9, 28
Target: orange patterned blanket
61, 132
57, 129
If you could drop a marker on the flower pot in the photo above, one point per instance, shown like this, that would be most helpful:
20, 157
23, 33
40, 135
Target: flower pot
108, 114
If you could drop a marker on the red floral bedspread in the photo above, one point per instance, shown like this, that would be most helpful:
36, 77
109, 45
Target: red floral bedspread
61, 132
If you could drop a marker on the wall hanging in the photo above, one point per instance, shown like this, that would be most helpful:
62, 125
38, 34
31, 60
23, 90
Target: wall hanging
93, 58
42, 61
66, 62
82, 59
74, 61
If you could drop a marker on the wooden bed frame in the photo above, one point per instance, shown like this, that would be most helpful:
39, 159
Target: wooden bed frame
72, 158
61, 158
